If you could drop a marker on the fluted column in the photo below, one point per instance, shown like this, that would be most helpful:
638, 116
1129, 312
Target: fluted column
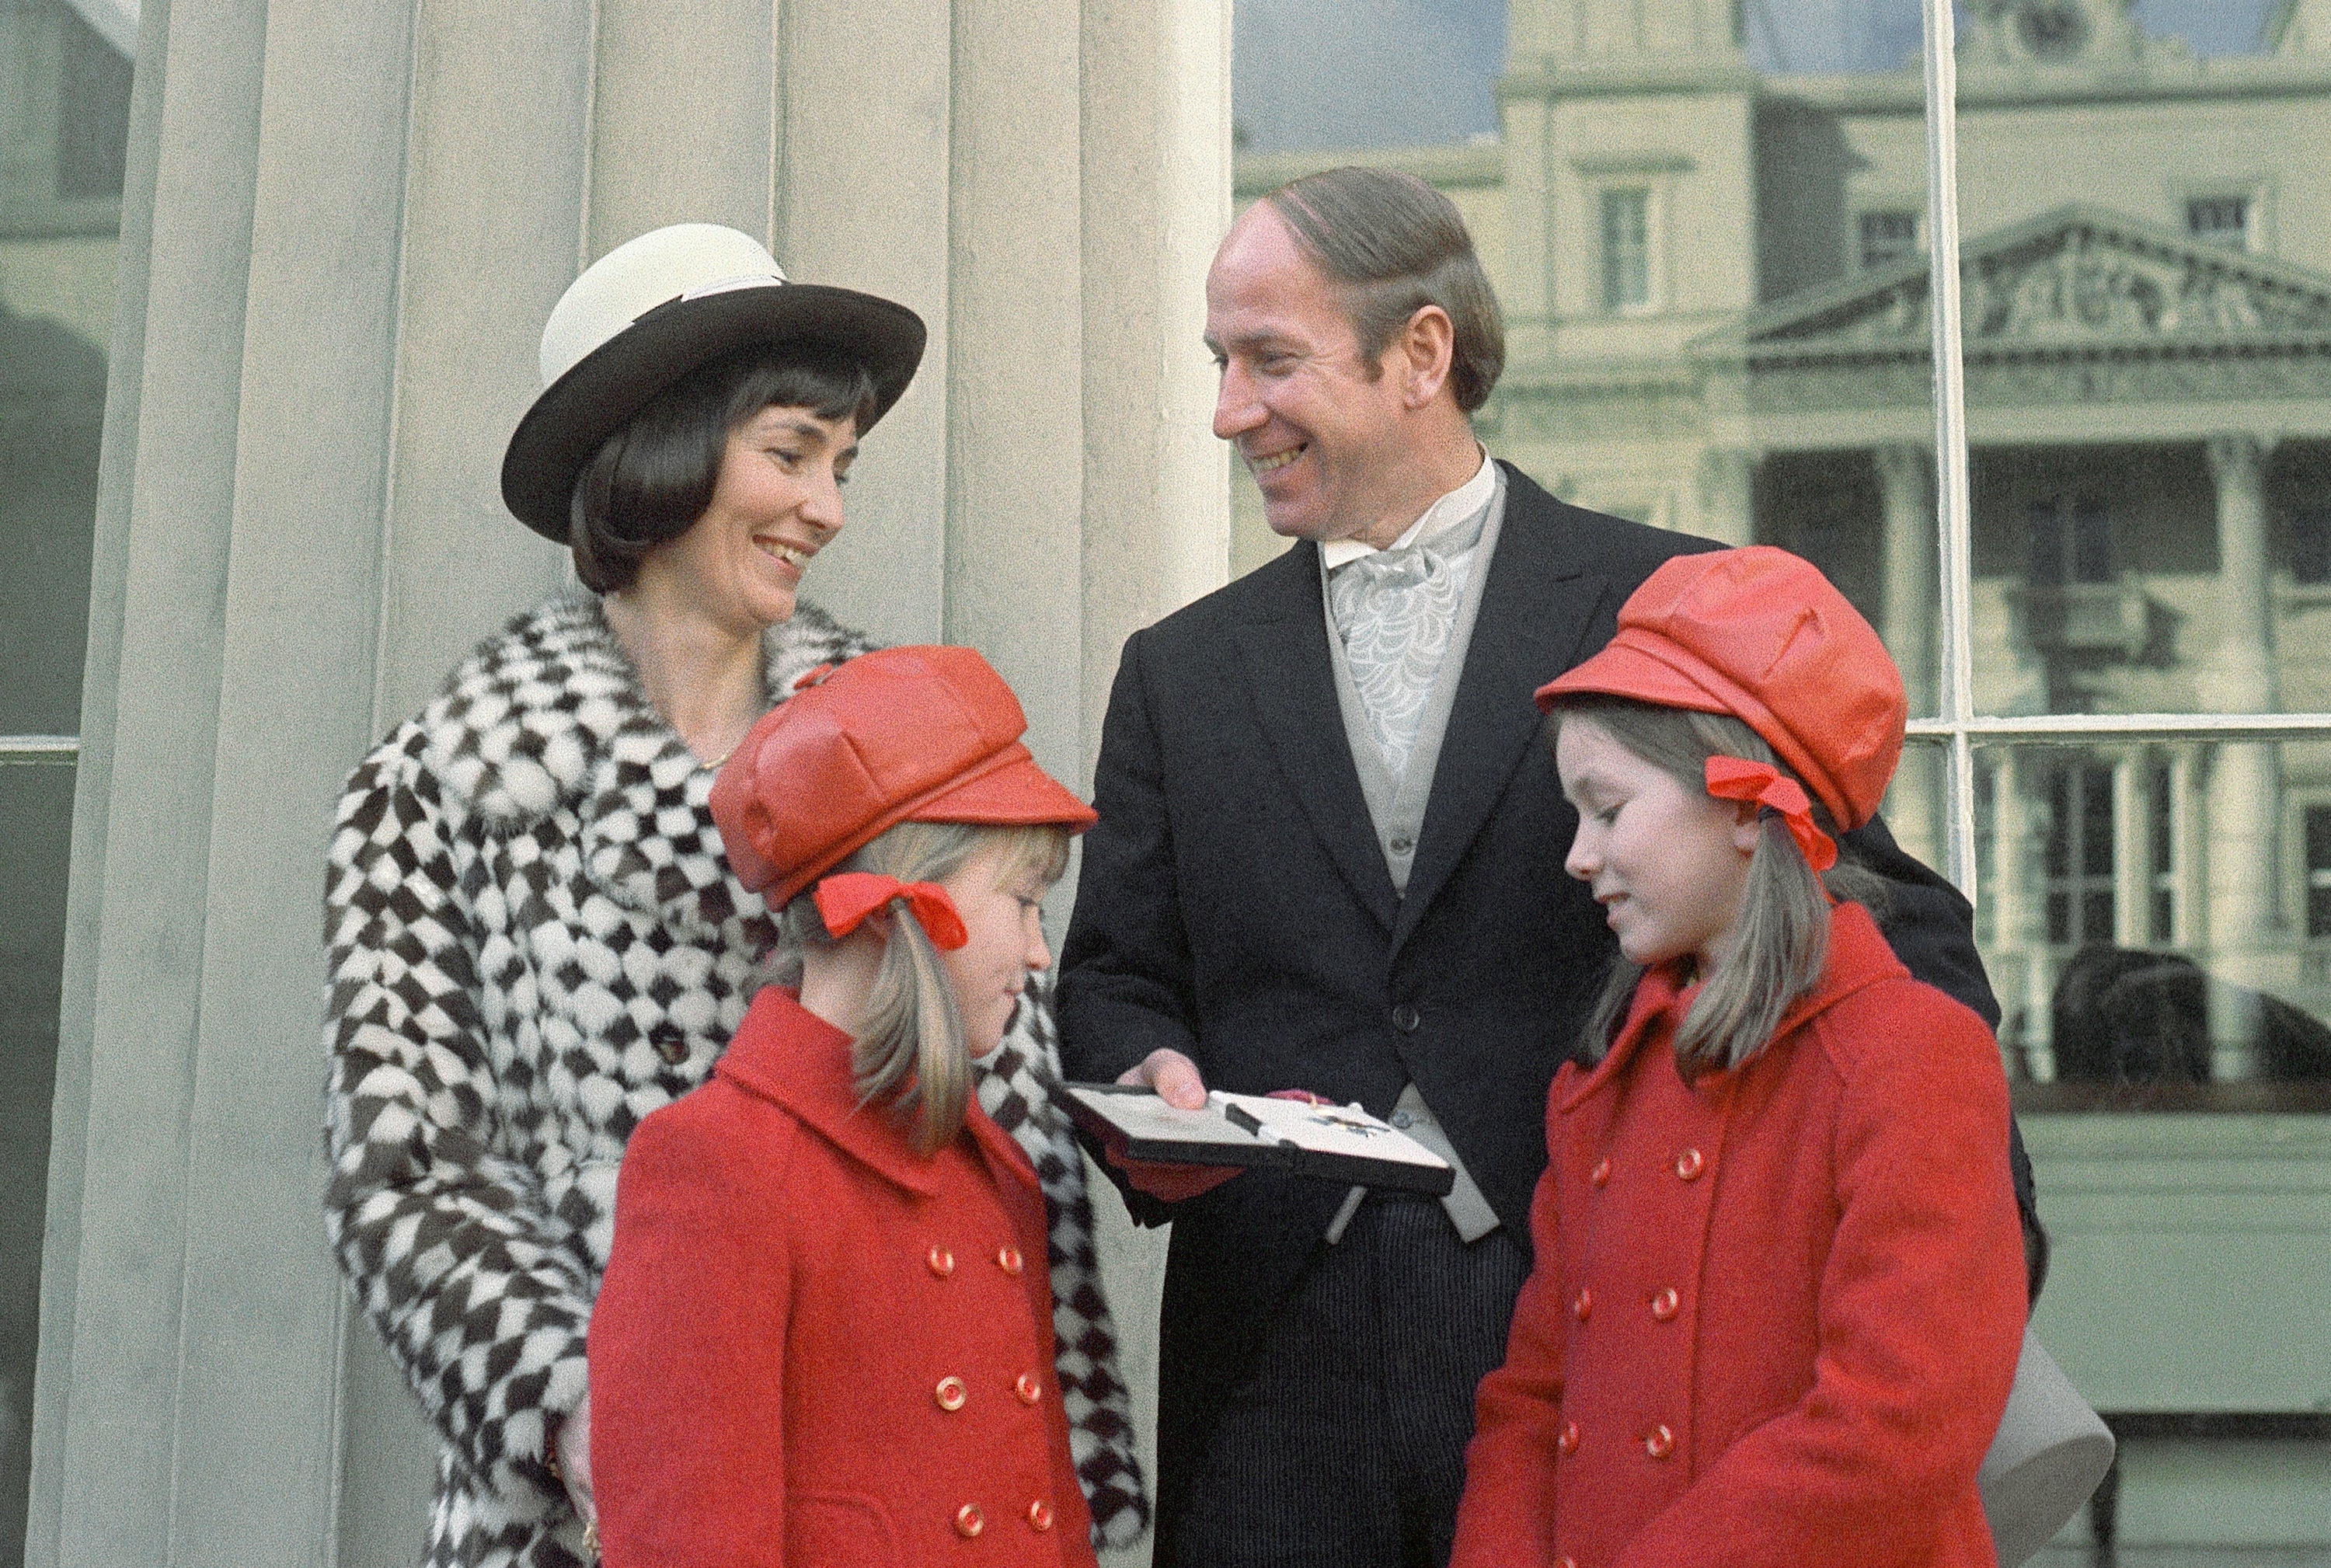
2239, 677
1905, 483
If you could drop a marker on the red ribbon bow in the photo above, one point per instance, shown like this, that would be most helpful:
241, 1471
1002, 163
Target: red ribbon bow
847, 898
1732, 778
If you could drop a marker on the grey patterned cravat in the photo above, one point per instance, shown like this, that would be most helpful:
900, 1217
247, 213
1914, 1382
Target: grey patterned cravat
1396, 610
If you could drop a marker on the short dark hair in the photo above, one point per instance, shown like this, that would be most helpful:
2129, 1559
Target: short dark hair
652, 480
1398, 245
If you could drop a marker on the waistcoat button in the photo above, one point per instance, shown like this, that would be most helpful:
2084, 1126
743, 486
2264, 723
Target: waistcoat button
1405, 1019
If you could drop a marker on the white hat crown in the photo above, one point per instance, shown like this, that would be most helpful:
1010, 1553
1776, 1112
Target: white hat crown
681, 260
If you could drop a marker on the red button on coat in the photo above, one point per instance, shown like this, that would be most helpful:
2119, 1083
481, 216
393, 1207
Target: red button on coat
1566, 1443
1029, 1390
941, 1261
1583, 1305
1040, 1515
1601, 1175
1665, 1305
1689, 1163
1008, 1259
968, 1521
1658, 1442
950, 1393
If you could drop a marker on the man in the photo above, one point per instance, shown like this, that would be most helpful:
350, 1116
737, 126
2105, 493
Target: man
1329, 857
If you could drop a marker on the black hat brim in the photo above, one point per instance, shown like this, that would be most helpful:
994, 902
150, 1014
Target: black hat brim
598, 396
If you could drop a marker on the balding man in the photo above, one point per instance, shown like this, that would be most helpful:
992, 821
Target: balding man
1329, 857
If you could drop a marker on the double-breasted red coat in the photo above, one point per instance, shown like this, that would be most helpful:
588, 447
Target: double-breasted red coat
1774, 1315
813, 1347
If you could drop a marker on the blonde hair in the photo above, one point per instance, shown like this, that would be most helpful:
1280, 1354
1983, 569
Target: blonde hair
912, 1051
1780, 939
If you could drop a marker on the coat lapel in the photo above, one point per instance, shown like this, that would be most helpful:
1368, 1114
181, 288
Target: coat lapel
1292, 684
1537, 607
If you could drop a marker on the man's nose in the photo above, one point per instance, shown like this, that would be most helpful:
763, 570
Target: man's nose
1236, 412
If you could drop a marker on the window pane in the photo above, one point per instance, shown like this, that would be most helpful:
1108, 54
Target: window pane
35, 837
2147, 323
2152, 925
1715, 296
64, 102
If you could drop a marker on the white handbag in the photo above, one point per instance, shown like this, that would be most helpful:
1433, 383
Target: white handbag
2051, 1453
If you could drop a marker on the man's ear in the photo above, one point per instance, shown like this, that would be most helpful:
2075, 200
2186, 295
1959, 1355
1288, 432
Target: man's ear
1424, 350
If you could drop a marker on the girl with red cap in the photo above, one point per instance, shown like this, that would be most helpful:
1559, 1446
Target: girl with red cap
825, 1333
1778, 1283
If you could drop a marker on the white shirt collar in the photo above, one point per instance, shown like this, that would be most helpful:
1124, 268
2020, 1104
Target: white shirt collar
1451, 508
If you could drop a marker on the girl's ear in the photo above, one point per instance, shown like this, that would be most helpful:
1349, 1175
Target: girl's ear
1747, 825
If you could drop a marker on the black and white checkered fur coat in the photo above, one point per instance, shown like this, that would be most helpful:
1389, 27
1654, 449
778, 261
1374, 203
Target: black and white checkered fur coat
534, 942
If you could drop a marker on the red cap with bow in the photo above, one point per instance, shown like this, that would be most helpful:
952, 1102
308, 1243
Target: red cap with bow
926, 734
1762, 635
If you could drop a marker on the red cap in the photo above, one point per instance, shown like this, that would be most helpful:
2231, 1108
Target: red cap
926, 734
1762, 635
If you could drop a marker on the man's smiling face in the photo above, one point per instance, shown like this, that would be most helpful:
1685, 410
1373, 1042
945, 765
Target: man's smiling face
1316, 424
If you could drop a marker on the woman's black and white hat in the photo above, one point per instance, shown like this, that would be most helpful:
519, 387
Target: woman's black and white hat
656, 307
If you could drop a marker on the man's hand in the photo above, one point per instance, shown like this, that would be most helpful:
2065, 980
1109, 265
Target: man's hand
1175, 1078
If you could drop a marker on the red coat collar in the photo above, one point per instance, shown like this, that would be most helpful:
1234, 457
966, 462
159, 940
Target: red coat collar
786, 1054
1859, 957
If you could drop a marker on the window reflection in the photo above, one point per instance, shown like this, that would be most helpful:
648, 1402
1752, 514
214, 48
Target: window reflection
2138, 929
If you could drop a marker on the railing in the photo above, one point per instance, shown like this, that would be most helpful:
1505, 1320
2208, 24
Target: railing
40, 750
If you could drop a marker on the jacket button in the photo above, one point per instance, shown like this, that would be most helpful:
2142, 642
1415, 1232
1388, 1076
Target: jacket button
941, 1261
1689, 1163
1029, 1390
1665, 1305
1583, 1305
669, 1044
1565, 1562
1601, 1175
950, 1393
1566, 1443
1040, 1515
1405, 1017
1008, 1259
1658, 1442
968, 1521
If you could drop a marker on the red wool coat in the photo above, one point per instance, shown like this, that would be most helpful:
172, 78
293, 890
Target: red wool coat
815, 1348
1773, 1318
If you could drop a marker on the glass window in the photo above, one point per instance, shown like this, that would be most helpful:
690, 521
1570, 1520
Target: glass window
2219, 219
1888, 236
2102, 559
63, 126
1626, 250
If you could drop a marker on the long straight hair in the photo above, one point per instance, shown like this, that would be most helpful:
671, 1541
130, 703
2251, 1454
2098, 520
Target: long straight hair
911, 1052
1780, 939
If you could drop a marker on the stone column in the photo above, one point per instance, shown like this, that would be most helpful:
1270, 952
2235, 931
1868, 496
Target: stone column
1727, 495
2018, 974
2133, 866
1906, 483
2239, 677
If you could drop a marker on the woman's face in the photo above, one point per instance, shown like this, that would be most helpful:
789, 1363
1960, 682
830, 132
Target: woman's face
777, 502
1002, 916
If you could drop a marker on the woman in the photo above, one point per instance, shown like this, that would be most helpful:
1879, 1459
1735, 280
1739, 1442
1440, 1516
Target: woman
534, 939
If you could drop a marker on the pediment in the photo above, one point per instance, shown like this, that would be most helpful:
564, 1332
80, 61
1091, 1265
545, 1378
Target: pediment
2079, 277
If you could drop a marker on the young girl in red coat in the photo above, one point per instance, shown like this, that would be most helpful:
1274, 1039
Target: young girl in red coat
1778, 1284
825, 1336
